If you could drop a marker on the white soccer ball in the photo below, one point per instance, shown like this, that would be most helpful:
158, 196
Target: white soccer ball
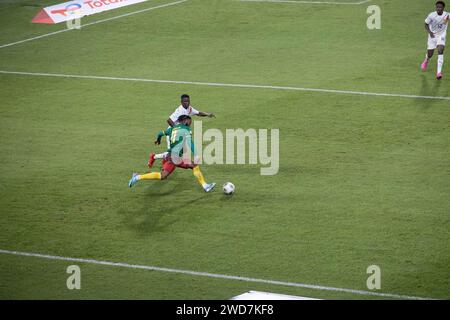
228, 188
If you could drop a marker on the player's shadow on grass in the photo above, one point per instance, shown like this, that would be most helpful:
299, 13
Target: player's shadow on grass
428, 90
159, 208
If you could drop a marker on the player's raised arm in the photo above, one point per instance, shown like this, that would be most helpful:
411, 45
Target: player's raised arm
195, 112
206, 114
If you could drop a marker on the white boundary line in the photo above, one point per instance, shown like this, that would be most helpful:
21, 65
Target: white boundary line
214, 275
307, 2
232, 85
92, 23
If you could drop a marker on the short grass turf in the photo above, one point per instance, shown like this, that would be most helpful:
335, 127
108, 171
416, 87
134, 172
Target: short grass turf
363, 180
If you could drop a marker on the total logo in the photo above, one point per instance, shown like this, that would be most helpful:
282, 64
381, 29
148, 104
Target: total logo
100, 3
74, 10
70, 9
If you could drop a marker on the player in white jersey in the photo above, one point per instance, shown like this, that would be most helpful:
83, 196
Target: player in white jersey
436, 25
184, 109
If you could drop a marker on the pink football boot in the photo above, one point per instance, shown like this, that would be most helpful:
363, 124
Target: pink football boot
424, 65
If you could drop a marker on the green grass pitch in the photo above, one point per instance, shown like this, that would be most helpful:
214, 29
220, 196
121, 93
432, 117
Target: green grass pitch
363, 180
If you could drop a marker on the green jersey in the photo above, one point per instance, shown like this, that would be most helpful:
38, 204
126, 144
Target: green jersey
178, 135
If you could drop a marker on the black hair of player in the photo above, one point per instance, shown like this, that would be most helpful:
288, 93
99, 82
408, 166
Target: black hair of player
441, 2
183, 118
184, 96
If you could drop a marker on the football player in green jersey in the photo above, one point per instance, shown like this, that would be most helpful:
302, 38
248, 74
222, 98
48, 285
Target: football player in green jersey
180, 141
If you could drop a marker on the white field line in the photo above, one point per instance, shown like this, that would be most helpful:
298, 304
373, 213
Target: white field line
92, 23
232, 85
214, 275
307, 2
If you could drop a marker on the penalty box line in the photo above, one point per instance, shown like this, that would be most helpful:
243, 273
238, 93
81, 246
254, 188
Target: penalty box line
214, 275
92, 23
231, 85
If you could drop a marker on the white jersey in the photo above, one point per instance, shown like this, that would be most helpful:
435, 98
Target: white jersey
190, 111
438, 23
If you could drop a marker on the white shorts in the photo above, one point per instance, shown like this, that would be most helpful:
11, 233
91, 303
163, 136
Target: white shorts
438, 40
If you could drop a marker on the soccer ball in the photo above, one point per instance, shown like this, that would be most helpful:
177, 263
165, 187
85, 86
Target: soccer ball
228, 188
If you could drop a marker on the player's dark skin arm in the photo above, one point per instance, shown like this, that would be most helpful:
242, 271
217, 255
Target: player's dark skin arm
430, 52
427, 27
170, 122
206, 114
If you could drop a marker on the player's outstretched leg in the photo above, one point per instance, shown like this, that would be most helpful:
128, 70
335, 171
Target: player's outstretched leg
209, 186
147, 176
134, 179
198, 174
